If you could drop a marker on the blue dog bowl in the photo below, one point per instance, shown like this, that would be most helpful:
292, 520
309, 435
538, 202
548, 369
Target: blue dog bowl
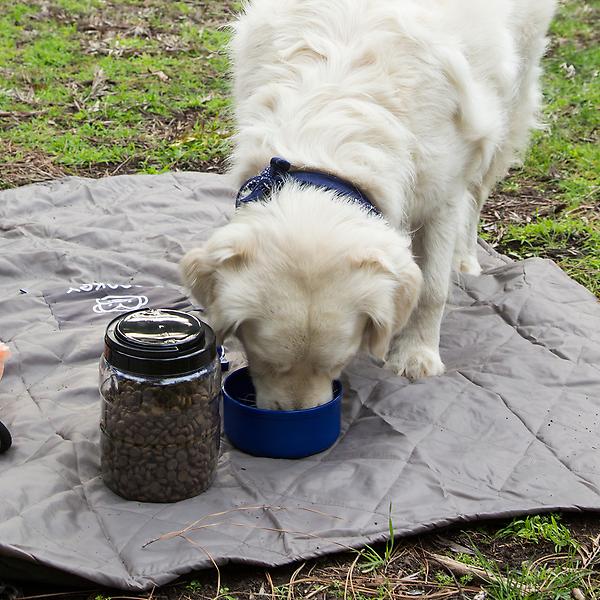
277, 433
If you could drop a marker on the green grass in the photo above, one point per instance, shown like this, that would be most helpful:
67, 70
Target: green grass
536, 582
541, 528
564, 158
563, 163
148, 86
572, 242
372, 560
193, 586
549, 577
447, 580
543, 574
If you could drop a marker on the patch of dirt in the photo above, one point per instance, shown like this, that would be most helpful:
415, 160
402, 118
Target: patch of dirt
522, 205
175, 126
517, 207
527, 205
507, 552
151, 20
26, 167
37, 167
583, 526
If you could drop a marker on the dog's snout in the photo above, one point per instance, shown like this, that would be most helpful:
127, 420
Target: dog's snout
303, 401
292, 392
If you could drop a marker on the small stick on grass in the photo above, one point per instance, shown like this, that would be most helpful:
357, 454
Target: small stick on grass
349, 578
462, 569
481, 574
293, 579
315, 592
270, 580
212, 560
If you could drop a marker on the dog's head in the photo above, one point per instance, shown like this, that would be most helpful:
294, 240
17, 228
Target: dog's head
304, 292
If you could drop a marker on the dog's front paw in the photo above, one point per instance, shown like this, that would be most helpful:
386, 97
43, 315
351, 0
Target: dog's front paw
414, 361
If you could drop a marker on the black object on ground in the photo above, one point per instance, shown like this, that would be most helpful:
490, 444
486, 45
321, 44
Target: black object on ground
5, 439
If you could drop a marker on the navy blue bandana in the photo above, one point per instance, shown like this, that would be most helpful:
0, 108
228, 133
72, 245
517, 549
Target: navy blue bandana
273, 177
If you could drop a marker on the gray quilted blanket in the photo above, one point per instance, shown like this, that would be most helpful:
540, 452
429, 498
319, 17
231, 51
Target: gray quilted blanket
512, 427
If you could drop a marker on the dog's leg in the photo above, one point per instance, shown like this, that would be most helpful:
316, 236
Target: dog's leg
415, 351
522, 118
465, 252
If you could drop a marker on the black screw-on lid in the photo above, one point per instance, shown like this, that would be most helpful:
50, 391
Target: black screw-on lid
159, 342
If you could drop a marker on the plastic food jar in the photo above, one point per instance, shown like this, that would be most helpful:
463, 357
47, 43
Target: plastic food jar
160, 381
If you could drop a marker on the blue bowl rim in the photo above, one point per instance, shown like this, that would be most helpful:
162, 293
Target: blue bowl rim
338, 389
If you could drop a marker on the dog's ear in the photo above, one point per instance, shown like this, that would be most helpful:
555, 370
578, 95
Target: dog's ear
229, 248
394, 293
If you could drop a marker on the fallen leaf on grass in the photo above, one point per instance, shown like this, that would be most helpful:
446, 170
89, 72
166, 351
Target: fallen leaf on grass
98, 83
569, 70
26, 96
161, 75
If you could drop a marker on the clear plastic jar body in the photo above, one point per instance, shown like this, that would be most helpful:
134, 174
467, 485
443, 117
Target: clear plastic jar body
160, 436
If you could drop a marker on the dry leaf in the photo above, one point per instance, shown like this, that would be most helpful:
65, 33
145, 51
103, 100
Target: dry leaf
98, 83
161, 75
569, 70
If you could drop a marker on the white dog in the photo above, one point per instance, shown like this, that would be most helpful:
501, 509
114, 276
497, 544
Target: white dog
420, 104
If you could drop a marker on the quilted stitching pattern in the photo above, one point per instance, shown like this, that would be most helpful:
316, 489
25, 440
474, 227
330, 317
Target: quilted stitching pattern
512, 427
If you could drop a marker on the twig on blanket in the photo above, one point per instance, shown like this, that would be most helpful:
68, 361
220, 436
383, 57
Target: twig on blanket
196, 524
292, 532
174, 534
318, 512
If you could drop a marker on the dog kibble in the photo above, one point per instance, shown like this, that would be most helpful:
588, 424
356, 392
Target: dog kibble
160, 432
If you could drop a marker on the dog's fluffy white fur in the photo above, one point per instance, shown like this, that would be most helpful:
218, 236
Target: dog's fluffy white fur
423, 104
